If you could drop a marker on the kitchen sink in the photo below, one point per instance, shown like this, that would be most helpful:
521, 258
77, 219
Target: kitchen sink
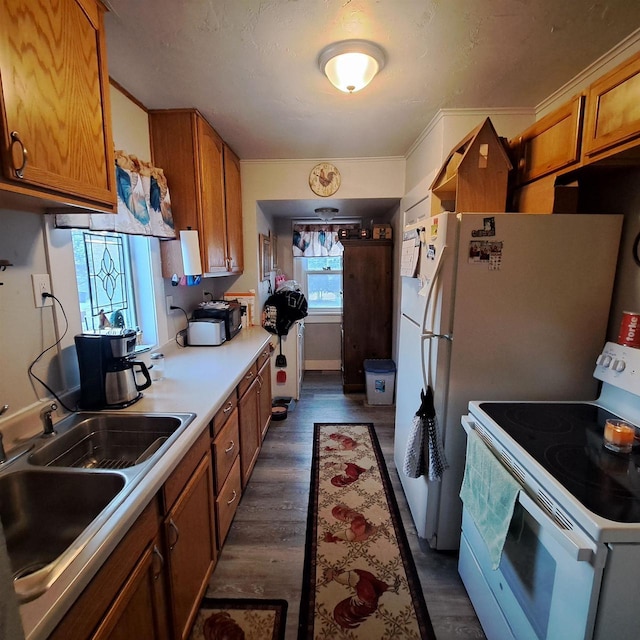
108, 441
55, 501
43, 512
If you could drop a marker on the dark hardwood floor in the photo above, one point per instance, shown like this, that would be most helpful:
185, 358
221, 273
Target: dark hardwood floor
264, 552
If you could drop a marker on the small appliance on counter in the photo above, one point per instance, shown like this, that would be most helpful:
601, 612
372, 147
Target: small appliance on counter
228, 311
206, 332
107, 369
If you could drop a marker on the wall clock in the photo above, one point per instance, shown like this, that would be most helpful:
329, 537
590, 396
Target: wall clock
324, 179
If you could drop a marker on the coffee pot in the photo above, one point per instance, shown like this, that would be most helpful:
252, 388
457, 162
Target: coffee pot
108, 370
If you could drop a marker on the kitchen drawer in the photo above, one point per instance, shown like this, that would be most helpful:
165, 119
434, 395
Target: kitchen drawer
226, 448
224, 412
249, 377
227, 501
265, 354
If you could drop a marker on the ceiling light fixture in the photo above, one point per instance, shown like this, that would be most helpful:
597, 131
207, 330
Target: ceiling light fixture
351, 65
326, 213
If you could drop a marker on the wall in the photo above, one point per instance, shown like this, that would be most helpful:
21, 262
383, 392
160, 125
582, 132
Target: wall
289, 180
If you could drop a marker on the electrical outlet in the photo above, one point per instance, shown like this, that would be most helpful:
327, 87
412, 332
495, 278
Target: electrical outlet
41, 284
169, 301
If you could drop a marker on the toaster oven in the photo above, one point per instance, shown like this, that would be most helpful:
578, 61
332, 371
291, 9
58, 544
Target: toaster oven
229, 311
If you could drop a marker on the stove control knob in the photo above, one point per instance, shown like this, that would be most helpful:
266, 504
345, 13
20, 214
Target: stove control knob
603, 360
618, 365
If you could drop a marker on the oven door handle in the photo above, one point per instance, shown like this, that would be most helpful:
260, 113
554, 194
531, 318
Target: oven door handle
579, 548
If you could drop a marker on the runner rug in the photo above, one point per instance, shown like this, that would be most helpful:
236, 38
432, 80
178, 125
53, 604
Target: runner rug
240, 619
360, 581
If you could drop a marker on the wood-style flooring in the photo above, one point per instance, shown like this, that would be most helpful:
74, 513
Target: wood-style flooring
264, 552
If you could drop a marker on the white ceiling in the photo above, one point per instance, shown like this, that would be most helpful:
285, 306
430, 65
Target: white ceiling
250, 66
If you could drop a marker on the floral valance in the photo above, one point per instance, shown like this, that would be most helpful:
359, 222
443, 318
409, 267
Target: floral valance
144, 205
317, 240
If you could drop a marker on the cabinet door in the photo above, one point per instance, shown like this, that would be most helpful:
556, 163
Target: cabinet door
250, 433
552, 143
366, 314
190, 547
233, 211
613, 111
214, 228
140, 608
55, 99
264, 398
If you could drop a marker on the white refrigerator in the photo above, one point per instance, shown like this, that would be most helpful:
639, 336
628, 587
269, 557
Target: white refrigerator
507, 307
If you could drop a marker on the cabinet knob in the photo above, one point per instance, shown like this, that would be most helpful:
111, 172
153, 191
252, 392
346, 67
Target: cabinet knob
15, 139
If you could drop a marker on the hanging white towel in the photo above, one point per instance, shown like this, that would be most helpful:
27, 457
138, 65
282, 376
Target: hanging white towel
415, 462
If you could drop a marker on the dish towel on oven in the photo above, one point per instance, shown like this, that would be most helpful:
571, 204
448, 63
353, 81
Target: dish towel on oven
425, 452
489, 494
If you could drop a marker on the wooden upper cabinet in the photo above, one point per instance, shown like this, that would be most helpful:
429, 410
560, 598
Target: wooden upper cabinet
204, 182
214, 229
233, 208
55, 117
550, 144
613, 112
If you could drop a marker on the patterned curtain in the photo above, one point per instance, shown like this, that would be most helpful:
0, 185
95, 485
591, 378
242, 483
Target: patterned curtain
144, 205
317, 240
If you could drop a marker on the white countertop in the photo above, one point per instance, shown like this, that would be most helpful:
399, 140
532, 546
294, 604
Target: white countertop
196, 380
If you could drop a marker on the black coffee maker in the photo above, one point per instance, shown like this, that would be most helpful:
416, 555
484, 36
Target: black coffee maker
107, 370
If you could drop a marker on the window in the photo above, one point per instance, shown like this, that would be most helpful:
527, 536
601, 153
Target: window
103, 274
322, 278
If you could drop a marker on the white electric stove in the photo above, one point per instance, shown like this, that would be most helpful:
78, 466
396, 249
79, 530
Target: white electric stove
570, 567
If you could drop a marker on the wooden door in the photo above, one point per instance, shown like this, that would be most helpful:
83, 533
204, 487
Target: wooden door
367, 307
139, 611
211, 175
264, 398
55, 99
190, 547
250, 432
233, 211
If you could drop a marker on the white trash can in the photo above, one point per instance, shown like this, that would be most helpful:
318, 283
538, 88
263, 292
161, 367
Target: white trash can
381, 380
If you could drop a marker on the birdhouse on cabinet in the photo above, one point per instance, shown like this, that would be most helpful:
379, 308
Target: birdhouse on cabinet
475, 174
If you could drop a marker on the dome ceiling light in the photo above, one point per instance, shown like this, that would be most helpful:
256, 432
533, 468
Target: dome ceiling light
351, 65
326, 213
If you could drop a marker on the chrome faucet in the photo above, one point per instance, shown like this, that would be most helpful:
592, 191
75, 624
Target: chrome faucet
48, 420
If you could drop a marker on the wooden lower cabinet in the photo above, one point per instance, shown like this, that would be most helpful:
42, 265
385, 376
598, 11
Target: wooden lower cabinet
190, 547
140, 610
264, 398
250, 432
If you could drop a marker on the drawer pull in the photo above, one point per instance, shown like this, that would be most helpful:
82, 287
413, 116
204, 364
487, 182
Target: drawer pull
228, 408
231, 447
157, 556
235, 495
15, 139
249, 375
176, 532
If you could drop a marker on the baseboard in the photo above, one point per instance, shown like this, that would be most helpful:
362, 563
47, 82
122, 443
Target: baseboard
322, 365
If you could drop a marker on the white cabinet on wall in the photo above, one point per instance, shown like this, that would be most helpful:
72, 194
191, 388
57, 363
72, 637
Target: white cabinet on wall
293, 350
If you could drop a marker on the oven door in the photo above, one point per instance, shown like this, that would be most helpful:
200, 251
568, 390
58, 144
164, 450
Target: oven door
546, 582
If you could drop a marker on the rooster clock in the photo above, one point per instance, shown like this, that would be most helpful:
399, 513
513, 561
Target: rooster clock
324, 179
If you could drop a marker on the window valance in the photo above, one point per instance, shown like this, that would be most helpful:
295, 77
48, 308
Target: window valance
144, 205
317, 240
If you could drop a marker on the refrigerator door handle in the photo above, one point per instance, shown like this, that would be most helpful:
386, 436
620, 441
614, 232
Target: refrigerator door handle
432, 286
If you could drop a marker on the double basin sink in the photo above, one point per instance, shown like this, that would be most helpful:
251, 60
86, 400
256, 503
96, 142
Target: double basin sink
58, 495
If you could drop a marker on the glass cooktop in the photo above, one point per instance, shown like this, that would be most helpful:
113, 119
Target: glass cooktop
567, 440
